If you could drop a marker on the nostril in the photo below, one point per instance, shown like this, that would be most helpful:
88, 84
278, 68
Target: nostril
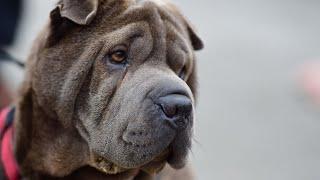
169, 109
174, 105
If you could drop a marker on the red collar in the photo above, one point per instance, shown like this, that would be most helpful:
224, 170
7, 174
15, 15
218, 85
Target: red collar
9, 163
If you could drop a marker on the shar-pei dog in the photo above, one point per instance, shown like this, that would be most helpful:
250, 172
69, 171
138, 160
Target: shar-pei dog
109, 93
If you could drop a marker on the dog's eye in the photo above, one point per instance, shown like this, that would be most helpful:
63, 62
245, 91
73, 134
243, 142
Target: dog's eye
118, 56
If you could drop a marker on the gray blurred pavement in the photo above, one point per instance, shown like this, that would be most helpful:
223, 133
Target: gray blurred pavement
253, 121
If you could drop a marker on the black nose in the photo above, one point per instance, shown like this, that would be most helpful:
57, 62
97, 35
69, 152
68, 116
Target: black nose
177, 109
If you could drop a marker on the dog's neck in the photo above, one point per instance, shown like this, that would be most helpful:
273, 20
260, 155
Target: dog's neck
44, 148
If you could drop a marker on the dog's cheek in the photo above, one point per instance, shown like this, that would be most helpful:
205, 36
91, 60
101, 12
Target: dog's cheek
47, 81
94, 99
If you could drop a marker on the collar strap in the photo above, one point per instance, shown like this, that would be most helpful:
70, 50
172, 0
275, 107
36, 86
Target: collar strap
9, 163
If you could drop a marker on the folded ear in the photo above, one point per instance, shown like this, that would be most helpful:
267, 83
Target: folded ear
195, 39
80, 12
68, 14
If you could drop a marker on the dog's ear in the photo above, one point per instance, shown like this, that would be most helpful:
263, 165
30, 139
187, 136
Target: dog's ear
69, 13
80, 12
195, 39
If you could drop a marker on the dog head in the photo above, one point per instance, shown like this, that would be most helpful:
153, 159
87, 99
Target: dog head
122, 74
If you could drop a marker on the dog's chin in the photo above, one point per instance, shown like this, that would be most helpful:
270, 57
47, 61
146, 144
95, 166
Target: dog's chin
151, 167
168, 156
108, 167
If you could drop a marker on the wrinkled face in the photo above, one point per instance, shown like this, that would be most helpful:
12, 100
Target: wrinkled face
133, 104
124, 86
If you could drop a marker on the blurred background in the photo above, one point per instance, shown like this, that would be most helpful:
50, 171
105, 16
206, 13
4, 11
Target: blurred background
258, 114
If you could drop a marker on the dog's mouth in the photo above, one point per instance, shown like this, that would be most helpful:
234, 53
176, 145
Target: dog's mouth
108, 167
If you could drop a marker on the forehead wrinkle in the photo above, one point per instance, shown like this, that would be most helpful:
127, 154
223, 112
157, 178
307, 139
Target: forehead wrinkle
158, 30
148, 11
178, 37
145, 9
175, 22
161, 20
179, 41
175, 19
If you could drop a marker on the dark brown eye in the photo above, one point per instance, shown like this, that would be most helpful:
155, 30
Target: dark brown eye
119, 56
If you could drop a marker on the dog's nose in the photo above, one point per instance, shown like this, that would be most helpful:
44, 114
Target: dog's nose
177, 109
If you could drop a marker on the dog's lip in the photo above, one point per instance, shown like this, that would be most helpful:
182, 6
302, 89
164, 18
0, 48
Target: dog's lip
177, 158
157, 164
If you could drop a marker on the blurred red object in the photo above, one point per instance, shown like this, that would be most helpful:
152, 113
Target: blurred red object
311, 80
